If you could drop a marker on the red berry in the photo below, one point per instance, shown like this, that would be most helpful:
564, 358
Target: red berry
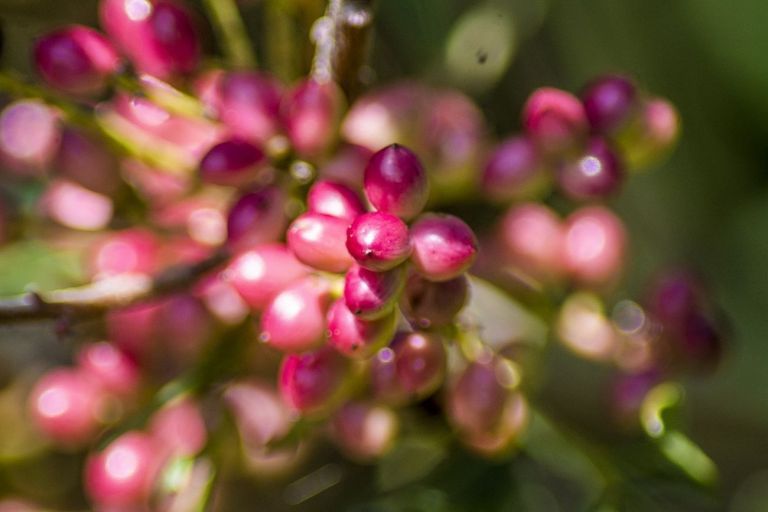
234, 162
370, 294
395, 182
444, 246
76, 59
355, 337
313, 381
294, 321
555, 120
378, 241
334, 199
317, 240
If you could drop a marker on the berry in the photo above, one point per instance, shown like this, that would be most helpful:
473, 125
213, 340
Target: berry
555, 120
294, 321
386, 386
234, 162
512, 423
370, 294
65, 405
532, 236
650, 134
257, 217
84, 160
128, 251
76, 60
76, 207
395, 182
334, 199
673, 297
355, 337
310, 113
260, 273
363, 430
478, 397
124, 473
514, 170
608, 101
429, 304
596, 174
183, 325
443, 246
110, 367
378, 241
420, 360
260, 414
317, 240
313, 381
21, 153
179, 428
593, 249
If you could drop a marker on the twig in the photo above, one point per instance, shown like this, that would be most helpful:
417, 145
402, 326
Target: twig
231, 33
341, 37
109, 293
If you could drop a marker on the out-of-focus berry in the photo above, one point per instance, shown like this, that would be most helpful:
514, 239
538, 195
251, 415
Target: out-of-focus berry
294, 321
514, 170
444, 246
555, 119
257, 217
364, 431
650, 134
608, 102
313, 381
21, 153
595, 174
133, 250
594, 245
420, 360
355, 337
234, 162
76, 207
532, 235
113, 369
179, 428
429, 304
83, 159
310, 113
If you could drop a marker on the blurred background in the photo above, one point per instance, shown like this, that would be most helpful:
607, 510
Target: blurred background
705, 207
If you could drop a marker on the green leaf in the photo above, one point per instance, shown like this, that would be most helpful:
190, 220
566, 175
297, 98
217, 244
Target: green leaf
33, 264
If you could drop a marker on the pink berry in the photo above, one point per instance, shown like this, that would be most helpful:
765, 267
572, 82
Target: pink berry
500, 440
110, 367
317, 240
594, 245
420, 360
363, 430
76, 207
124, 473
183, 325
257, 217
555, 119
260, 414
313, 381
234, 162
355, 337
378, 241
444, 246
334, 199
294, 321
76, 59
260, 273
478, 397
608, 101
65, 405
514, 170
129, 251
22, 154
346, 166
370, 294
179, 428
310, 112
395, 182
532, 235
429, 304
595, 174
133, 328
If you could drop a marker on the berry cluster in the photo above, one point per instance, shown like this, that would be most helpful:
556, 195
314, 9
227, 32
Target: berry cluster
341, 306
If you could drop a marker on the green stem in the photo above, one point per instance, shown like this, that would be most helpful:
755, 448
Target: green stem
231, 33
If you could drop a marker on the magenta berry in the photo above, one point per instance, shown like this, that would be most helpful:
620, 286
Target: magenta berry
233, 162
355, 337
260, 273
124, 473
430, 304
334, 199
65, 405
378, 240
555, 119
317, 240
184, 325
179, 428
700, 342
395, 182
595, 174
608, 102
310, 112
514, 170
420, 360
313, 381
76, 60
364, 430
294, 321
594, 245
249, 104
673, 297
532, 237
134, 251
257, 217
113, 369
443, 246
370, 294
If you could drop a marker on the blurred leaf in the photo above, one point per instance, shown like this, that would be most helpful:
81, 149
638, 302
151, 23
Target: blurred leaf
31, 263
412, 459
687, 455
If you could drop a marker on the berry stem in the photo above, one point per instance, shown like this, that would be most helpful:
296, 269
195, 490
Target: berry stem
230, 30
98, 297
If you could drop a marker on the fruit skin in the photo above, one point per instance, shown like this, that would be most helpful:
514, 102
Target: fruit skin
555, 120
378, 241
294, 321
124, 473
532, 236
420, 363
76, 59
312, 382
110, 367
444, 246
334, 199
595, 174
514, 170
234, 162
310, 113
594, 245
355, 337
608, 102
370, 295
477, 398
395, 182
317, 240
430, 304
256, 217
364, 431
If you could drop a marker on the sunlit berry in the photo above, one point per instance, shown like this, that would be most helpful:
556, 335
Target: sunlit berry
294, 320
444, 246
133, 250
76, 207
22, 154
395, 182
378, 241
334, 199
109, 366
355, 337
532, 237
318, 240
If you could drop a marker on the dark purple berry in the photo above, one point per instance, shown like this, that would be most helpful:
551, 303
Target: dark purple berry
378, 240
429, 304
395, 182
608, 101
234, 162
257, 217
